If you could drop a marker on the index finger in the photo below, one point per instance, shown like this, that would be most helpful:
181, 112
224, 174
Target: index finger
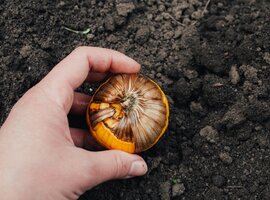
71, 72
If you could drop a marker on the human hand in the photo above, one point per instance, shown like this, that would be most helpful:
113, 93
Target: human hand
40, 155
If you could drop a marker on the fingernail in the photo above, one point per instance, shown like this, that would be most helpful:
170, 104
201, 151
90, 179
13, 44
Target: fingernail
138, 168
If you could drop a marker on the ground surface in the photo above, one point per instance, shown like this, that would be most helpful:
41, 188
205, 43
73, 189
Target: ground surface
213, 62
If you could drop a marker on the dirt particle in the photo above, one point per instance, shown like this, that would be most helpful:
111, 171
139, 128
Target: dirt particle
225, 158
263, 141
153, 163
178, 32
244, 133
182, 91
250, 73
234, 75
197, 14
216, 96
25, 51
168, 35
60, 4
90, 36
210, 134
109, 23
266, 192
229, 33
162, 54
190, 74
165, 190
142, 35
234, 116
266, 57
258, 111
218, 180
267, 124
214, 57
214, 193
196, 107
123, 9
178, 189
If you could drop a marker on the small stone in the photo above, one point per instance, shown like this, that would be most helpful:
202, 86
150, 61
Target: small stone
209, 133
229, 18
266, 57
234, 75
218, 180
220, 5
123, 9
90, 36
258, 128
150, 16
178, 189
225, 158
25, 51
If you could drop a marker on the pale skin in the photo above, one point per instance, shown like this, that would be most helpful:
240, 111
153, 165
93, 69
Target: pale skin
41, 157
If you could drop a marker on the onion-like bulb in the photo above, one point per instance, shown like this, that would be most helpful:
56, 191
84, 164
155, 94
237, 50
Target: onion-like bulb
128, 112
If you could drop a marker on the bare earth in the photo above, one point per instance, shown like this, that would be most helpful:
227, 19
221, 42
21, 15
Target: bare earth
212, 59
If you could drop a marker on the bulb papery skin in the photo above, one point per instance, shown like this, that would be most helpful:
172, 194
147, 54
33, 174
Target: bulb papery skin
128, 112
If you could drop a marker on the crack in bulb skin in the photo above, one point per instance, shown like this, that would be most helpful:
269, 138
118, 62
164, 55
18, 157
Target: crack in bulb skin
128, 112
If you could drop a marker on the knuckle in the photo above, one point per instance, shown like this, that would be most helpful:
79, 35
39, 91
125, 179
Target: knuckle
121, 166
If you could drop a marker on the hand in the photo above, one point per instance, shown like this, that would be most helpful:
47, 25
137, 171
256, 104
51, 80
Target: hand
40, 155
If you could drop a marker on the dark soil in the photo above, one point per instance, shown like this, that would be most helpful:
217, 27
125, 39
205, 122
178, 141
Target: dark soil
212, 61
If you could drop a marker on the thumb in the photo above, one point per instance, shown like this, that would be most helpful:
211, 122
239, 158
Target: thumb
112, 164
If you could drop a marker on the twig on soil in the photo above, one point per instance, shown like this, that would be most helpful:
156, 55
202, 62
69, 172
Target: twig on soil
86, 31
205, 7
170, 16
235, 186
215, 85
204, 10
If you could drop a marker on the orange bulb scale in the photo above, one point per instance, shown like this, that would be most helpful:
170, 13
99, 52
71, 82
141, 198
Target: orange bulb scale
128, 112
